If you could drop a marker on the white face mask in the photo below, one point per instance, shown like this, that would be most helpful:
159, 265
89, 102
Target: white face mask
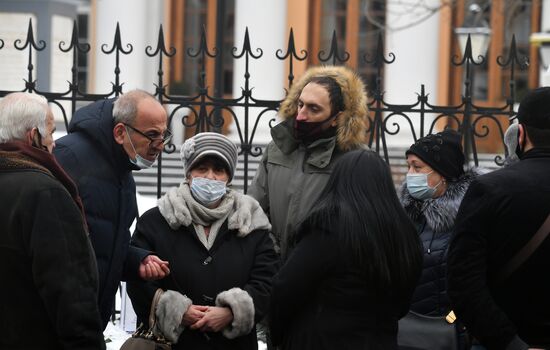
418, 187
206, 191
140, 162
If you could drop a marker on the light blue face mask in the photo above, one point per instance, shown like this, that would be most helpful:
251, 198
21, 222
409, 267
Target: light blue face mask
417, 184
140, 162
206, 191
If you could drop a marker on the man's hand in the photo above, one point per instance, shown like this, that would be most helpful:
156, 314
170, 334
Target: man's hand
152, 268
193, 314
214, 320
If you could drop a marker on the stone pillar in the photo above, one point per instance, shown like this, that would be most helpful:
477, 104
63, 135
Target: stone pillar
416, 59
266, 22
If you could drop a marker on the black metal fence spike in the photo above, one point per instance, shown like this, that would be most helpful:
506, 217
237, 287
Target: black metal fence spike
117, 44
74, 44
513, 57
334, 52
291, 54
247, 48
467, 56
161, 47
203, 47
378, 58
30, 41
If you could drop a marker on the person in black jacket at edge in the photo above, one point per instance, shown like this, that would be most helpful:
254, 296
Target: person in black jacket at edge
48, 298
500, 213
107, 140
431, 195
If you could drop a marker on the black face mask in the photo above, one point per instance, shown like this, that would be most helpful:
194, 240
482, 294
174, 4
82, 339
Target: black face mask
308, 132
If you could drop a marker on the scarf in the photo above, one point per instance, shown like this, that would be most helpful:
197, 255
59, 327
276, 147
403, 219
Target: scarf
244, 214
19, 155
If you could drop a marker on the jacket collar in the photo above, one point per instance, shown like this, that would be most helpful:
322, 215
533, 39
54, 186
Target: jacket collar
320, 151
536, 153
439, 213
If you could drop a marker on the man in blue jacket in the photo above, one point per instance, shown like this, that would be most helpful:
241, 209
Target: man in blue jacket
107, 140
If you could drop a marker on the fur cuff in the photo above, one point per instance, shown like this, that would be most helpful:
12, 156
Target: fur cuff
242, 306
170, 310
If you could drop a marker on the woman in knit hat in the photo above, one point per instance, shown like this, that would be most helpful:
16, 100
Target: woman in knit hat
431, 195
221, 255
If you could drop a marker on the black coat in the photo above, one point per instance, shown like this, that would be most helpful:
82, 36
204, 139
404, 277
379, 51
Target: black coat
246, 262
499, 214
49, 276
103, 174
322, 300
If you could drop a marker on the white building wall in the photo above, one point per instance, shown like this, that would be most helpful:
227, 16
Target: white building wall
266, 22
139, 22
416, 62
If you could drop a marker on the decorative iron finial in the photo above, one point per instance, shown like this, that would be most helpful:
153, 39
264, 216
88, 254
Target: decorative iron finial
334, 53
247, 48
291, 52
117, 44
161, 47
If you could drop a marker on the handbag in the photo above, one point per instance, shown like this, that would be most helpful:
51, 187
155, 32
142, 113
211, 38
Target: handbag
421, 332
145, 339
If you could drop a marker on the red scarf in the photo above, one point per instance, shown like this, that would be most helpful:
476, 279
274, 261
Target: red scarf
33, 157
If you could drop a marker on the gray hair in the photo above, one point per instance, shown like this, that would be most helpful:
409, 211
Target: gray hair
125, 107
19, 113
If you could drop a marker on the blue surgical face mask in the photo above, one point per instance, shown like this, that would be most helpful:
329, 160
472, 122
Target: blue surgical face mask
140, 162
417, 184
207, 191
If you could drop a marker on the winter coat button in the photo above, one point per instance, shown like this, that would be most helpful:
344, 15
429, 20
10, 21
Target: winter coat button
207, 260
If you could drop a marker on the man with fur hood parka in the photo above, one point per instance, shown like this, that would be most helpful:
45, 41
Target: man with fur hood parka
324, 115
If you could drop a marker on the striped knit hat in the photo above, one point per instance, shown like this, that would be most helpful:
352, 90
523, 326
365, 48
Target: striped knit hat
205, 144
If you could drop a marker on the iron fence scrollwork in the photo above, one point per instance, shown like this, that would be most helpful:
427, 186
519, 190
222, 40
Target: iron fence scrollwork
205, 109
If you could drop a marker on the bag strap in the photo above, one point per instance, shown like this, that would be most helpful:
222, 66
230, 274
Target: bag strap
524, 253
156, 298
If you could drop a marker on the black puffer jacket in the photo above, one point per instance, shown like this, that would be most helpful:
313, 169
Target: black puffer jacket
103, 174
435, 220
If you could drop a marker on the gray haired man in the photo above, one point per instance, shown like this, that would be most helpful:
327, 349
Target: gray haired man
49, 275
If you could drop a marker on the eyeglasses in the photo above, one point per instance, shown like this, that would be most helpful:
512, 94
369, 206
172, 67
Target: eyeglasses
155, 139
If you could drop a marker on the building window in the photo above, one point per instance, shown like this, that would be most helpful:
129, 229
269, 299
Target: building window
491, 82
357, 24
189, 18
83, 37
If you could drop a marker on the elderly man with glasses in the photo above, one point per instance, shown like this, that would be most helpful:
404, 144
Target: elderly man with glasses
106, 141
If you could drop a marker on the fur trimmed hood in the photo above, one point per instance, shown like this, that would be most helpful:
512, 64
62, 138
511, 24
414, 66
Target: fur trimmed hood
440, 212
352, 122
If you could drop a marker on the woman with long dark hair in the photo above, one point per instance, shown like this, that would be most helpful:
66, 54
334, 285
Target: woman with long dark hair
352, 273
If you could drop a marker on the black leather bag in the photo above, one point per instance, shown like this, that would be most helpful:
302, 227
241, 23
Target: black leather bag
143, 338
419, 332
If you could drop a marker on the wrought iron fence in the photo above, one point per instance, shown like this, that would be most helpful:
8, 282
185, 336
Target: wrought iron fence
204, 108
